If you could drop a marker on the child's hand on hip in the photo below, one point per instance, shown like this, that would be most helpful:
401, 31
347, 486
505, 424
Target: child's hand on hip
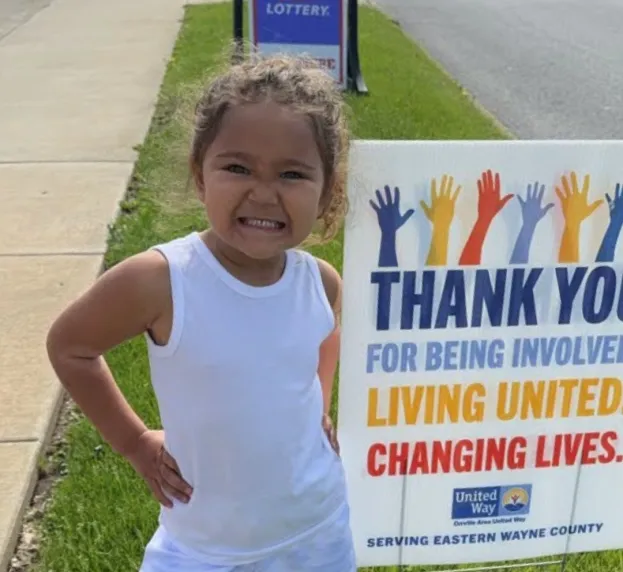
159, 470
329, 429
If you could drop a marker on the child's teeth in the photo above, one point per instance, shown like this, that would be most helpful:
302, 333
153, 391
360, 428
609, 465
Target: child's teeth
262, 223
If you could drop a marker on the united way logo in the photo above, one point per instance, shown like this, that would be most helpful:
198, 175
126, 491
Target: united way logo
491, 502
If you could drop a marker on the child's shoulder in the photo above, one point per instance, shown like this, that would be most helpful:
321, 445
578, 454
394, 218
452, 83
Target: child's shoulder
177, 251
178, 243
144, 272
149, 270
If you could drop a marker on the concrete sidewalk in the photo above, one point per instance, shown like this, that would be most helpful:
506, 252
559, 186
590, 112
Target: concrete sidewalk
78, 83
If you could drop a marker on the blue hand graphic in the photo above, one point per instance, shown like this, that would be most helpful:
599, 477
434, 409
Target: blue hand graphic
611, 236
531, 210
390, 220
616, 206
531, 213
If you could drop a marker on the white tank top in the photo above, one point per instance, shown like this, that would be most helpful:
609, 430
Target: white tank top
241, 406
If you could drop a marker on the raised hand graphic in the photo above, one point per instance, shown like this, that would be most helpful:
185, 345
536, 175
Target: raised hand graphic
575, 209
390, 221
616, 206
490, 203
440, 213
531, 210
608, 245
531, 213
441, 210
574, 202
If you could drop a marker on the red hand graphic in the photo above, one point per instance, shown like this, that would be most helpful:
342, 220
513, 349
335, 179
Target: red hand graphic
490, 203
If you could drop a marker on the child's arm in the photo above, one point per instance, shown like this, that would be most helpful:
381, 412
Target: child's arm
123, 303
330, 348
131, 298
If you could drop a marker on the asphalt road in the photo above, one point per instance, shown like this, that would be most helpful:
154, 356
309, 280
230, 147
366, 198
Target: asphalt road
14, 13
545, 68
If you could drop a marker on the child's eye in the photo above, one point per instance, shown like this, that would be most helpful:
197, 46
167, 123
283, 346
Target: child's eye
237, 169
292, 175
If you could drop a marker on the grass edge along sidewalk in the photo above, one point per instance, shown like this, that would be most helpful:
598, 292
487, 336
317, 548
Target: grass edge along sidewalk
100, 515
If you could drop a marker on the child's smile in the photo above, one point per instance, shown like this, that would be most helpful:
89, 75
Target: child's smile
262, 224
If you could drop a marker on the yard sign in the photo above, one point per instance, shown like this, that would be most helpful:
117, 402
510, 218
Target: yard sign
481, 393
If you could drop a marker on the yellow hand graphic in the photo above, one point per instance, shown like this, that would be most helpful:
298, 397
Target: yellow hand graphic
441, 210
574, 202
575, 209
440, 213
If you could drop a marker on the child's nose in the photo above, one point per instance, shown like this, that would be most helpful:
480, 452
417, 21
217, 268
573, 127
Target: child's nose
264, 193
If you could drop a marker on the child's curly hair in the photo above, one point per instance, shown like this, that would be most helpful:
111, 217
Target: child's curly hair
301, 84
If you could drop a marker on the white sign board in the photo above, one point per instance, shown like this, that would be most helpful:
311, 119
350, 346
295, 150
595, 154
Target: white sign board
482, 354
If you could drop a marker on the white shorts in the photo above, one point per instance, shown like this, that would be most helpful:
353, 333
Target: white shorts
330, 549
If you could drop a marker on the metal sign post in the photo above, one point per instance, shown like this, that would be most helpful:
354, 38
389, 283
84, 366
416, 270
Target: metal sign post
356, 82
238, 20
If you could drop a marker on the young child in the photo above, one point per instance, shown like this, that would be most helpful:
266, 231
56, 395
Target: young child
243, 334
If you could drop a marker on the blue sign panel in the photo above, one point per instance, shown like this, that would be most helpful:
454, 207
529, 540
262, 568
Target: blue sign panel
313, 27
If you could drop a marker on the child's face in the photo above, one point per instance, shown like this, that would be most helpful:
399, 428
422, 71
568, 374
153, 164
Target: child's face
262, 180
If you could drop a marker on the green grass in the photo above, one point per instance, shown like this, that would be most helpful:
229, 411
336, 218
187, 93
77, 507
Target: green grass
101, 515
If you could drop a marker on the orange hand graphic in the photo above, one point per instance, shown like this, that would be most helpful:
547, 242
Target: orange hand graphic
575, 209
574, 202
440, 213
